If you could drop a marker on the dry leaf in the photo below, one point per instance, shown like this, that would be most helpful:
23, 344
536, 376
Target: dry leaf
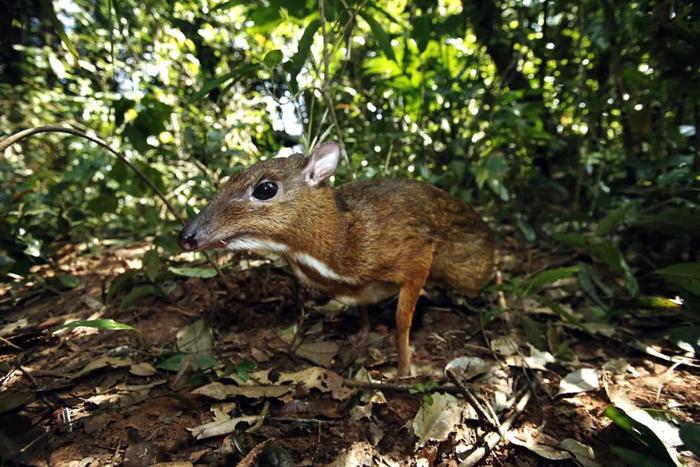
321, 353
223, 427
221, 391
436, 421
142, 369
100, 363
583, 380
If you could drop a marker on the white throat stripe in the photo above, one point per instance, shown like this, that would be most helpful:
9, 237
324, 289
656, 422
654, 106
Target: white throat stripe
253, 244
322, 268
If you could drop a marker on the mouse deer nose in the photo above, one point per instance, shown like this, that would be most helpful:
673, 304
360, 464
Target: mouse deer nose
187, 239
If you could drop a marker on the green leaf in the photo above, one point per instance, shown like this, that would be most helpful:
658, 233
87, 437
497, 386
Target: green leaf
105, 324
296, 63
551, 275
526, 229
690, 435
586, 283
171, 361
202, 273
685, 337
47, 6
151, 265
643, 435
233, 75
228, 4
614, 218
136, 294
273, 58
243, 368
684, 275
69, 281
630, 281
120, 283
671, 221
420, 30
380, 35
637, 459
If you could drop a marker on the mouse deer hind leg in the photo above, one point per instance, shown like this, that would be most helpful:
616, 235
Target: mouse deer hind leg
408, 297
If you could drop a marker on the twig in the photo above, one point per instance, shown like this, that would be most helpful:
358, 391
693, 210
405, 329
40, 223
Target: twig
31, 378
259, 422
20, 135
116, 452
303, 420
398, 387
326, 94
9, 343
483, 413
491, 439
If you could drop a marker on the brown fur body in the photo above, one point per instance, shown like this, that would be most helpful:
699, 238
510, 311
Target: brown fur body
362, 242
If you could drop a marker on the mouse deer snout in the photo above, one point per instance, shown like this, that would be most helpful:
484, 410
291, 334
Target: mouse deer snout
188, 238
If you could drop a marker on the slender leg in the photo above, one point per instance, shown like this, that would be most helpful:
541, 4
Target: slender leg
364, 321
408, 297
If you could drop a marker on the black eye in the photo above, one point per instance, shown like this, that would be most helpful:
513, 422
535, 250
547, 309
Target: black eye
265, 190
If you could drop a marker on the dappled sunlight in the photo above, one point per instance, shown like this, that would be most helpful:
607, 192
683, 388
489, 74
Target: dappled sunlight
571, 128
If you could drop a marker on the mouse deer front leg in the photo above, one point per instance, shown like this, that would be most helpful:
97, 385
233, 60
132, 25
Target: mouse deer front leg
408, 297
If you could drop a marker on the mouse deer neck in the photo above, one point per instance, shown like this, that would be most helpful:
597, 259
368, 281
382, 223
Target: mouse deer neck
320, 229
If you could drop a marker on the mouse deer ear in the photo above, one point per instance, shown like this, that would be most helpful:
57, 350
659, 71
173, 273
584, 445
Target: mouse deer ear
321, 164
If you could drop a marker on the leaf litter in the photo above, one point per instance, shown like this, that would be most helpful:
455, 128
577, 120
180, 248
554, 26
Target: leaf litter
249, 369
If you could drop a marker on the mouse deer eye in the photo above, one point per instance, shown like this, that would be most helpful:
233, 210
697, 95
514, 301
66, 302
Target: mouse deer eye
265, 190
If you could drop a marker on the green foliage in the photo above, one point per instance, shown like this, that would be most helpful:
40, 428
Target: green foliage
684, 275
202, 273
543, 115
690, 435
650, 449
425, 390
103, 324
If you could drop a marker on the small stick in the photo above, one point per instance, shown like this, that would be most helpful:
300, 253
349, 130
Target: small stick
483, 413
303, 420
397, 387
20, 135
491, 439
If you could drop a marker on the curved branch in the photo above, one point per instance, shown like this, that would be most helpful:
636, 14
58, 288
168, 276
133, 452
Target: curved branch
20, 135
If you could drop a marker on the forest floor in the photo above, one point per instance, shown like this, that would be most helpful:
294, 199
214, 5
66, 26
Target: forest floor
263, 374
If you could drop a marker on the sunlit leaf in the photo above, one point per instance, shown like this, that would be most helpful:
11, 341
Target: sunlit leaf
48, 8
202, 273
104, 324
380, 35
551, 275
643, 435
296, 63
